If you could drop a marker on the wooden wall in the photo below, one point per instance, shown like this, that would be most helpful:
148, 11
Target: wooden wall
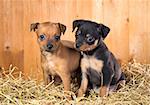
129, 21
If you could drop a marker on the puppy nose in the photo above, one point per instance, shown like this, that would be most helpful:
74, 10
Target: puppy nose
78, 45
49, 46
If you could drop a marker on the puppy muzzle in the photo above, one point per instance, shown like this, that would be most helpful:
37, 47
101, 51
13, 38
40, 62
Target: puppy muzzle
48, 47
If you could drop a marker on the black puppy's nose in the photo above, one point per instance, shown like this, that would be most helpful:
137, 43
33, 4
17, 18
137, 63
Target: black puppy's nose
78, 45
49, 46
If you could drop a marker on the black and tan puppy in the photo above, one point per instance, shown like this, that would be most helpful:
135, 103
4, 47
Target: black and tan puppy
100, 68
58, 58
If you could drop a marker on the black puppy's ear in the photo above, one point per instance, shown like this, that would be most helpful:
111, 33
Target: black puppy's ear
104, 30
62, 28
77, 23
34, 26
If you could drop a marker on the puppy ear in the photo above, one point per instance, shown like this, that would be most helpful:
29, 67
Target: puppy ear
77, 23
34, 26
62, 28
104, 30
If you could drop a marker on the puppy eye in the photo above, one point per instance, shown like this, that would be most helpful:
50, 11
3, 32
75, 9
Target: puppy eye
42, 37
90, 39
57, 37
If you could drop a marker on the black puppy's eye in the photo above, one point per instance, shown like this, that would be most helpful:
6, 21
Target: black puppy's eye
90, 39
42, 37
57, 37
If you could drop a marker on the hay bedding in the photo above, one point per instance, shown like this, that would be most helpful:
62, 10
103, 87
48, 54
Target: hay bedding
17, 91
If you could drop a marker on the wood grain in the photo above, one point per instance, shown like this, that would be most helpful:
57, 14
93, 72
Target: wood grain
116, 17
138, 33
129, 21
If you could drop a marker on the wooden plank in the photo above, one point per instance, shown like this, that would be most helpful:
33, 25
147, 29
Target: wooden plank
17, 35
148, 34
32, 13
138, 29
1, 36
84, 9
6, 39
11, 38
97, 11
70, 16
116, 17
65, 13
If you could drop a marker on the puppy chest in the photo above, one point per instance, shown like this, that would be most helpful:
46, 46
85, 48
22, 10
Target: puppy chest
49, 67
92, 67
91, 62
52, 65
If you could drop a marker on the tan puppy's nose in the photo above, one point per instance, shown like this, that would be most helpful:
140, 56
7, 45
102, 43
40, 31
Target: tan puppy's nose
49, 46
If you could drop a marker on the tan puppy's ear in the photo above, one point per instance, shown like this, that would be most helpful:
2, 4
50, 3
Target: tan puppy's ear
62, 28
34, 26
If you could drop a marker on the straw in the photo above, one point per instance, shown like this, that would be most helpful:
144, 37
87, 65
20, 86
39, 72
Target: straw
15, 90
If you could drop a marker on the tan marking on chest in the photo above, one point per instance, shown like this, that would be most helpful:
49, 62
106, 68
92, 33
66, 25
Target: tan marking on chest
52, 64
91, 62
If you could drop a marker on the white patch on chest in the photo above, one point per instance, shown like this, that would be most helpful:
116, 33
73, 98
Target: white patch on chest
50, 64
91, 62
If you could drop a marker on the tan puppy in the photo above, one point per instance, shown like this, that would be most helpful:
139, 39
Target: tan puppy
58, 57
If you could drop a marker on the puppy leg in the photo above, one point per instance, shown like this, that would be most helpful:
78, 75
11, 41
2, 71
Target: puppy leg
104, 91
66, 79
46, 77
84, 84
107, 78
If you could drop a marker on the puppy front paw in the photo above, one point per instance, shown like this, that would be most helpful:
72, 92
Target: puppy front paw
80, 93
103, 91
